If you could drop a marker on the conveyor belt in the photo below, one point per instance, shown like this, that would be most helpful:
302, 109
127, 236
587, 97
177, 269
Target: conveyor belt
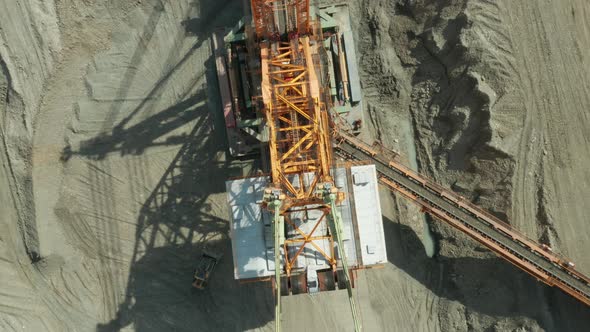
445, 205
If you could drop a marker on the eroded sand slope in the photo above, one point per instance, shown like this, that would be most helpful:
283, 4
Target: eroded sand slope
496, 95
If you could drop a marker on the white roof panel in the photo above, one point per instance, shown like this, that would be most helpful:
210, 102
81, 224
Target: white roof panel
251, 234
368, 215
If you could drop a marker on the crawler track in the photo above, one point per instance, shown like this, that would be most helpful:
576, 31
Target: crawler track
458, 212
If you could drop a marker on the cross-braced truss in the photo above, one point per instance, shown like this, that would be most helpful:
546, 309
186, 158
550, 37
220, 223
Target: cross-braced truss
314, 238
299, 140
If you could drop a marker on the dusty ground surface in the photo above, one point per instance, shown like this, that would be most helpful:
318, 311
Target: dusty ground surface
112, 172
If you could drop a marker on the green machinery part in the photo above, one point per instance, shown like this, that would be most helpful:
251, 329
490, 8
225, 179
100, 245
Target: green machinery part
276, 204
336, 229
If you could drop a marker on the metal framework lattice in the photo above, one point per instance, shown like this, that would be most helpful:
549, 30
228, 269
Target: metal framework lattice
273, 17
299, 137
299, 140
304, 238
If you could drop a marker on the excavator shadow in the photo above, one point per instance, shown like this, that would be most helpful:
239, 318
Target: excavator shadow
162, 298
183, 215
490, 286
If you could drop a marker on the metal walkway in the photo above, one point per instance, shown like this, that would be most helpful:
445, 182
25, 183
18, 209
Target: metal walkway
445, 205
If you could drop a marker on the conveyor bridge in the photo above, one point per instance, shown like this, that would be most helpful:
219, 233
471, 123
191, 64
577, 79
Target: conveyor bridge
536, 259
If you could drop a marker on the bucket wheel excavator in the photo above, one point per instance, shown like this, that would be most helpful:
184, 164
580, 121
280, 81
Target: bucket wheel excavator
291, 92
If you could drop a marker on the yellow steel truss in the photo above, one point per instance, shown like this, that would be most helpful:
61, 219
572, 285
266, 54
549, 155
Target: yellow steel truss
308, 238
297, 120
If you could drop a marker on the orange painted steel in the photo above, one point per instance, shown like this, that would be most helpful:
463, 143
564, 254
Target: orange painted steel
498, 224
299, 135
501, 238
303, 26
441, 215
300, 151
308, 238
263, 17
265, 14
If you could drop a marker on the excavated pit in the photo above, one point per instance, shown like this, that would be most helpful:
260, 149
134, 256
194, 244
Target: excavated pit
113, 165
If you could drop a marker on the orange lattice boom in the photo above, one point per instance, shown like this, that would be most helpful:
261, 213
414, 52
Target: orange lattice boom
299, 135
293, 86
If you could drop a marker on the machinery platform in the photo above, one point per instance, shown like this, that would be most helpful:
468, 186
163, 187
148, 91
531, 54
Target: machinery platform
252, 234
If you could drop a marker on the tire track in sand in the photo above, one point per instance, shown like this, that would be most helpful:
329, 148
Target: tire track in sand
102, 193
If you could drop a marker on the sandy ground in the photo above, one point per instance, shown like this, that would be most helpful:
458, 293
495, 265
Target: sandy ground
497, 97
113, 164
